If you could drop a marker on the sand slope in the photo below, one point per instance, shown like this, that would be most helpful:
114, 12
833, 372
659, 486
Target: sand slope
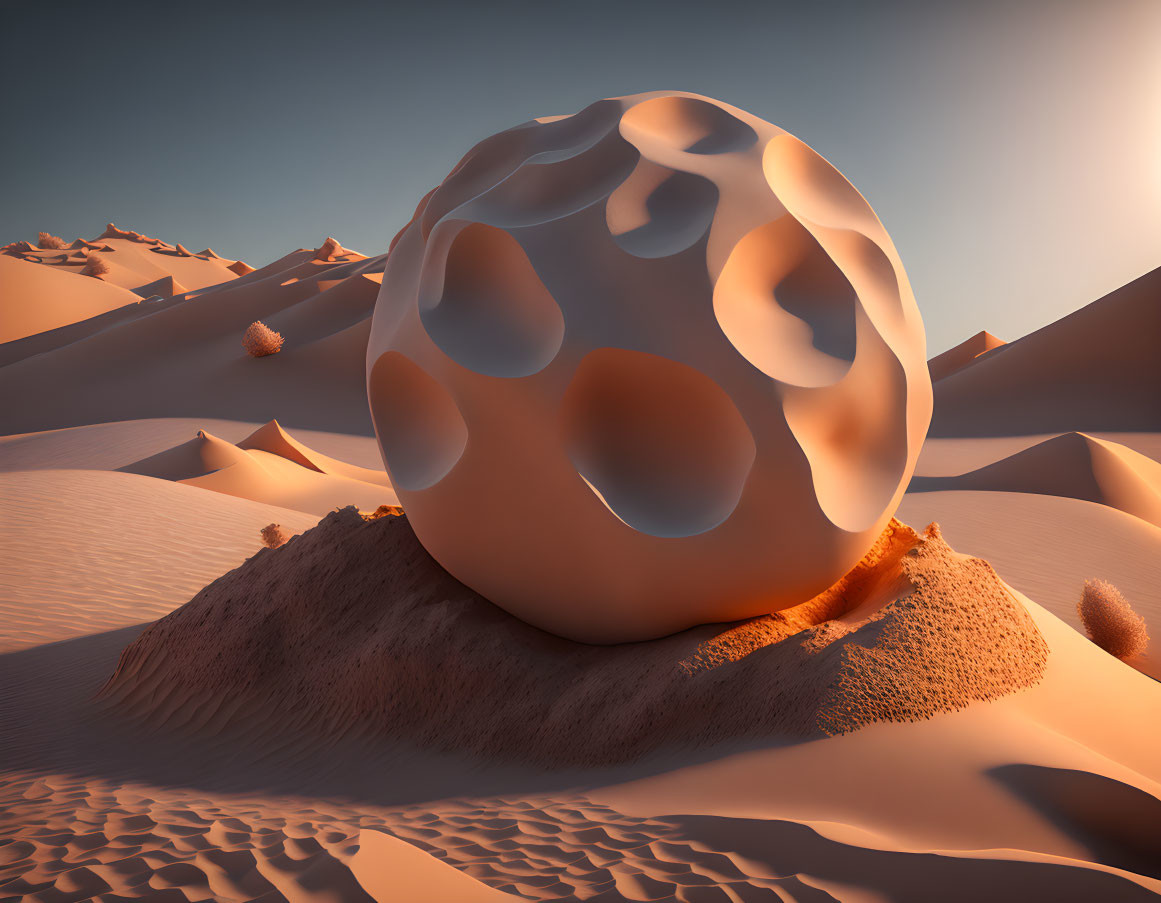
1096, 369
271, 467
35, 298
184, 357
1047, 546
86, 552
963, 354
1072, 465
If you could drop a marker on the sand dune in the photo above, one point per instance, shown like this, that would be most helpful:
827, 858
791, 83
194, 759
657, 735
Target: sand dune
86, 552
952, 457
1095, 370
1073, 465
271, 467
965, 353
272, 438
111, 446
185, 358
38, 291
35, 298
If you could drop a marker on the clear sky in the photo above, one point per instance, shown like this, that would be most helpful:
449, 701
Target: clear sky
1013, 150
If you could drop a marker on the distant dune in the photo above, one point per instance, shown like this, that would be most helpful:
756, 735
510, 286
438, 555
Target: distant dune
269, 466
1073, 465
1098, 369
38, 293
182, 356
963, 354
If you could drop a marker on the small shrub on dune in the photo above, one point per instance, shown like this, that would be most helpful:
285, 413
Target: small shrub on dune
94, 266
260, 340
275, 535
48, 242
1110, 621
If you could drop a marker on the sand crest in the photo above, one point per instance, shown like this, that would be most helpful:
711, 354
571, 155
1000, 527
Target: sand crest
965, 353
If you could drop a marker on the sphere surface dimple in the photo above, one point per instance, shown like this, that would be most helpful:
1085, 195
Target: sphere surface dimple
652, 365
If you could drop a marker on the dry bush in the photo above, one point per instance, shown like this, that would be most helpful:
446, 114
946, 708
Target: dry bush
94, 266
50, 242
260, 340
275, 535
1110, 621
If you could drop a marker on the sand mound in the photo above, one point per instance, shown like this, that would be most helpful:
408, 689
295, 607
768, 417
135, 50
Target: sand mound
1073, 465
963, 354
1095, 370
271, 467
353, 627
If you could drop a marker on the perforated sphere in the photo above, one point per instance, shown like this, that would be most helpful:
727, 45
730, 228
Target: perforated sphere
652, 365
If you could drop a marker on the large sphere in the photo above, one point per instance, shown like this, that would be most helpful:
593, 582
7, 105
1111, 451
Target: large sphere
652, 365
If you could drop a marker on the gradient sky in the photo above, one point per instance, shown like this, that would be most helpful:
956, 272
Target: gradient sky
1013, 150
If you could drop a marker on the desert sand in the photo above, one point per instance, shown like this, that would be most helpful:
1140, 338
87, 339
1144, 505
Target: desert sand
188, 715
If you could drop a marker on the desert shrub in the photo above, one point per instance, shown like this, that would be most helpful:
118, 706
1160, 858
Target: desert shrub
260, 340
1110, 621
94, 266
50, 242
275, 535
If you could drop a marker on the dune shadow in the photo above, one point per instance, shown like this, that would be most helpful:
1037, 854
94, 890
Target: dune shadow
1119, 823
53, 722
